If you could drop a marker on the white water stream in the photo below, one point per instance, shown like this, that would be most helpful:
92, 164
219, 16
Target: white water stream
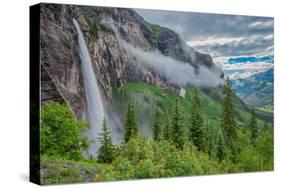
95, 108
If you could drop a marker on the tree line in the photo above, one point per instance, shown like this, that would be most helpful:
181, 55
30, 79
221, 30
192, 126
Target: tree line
182, 143
170, 126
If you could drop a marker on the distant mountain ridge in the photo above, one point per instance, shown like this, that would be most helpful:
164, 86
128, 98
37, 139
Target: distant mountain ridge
257, 90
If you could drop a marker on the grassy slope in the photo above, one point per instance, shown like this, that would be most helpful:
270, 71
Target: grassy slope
146, 97
267, 108
61, 171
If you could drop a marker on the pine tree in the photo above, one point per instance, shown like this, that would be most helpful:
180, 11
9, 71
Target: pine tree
177, 129
128, 124
196, 121
221, 148
166, 130
134, 127
106, 150
228, 122
131, 128
156, 125
265, 126
253, 127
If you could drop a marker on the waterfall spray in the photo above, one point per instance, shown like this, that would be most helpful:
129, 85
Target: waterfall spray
95, 109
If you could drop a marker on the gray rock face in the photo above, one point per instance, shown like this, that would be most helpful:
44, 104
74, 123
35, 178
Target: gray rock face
113, 66
59, 56
49, 90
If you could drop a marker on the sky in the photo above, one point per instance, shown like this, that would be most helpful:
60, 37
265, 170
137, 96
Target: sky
241, 45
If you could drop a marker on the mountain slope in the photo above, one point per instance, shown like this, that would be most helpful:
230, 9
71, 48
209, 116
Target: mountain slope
256, 90
112, 64
146, 98
121, 79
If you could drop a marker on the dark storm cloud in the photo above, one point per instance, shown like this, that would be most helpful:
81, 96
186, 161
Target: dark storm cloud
217, 34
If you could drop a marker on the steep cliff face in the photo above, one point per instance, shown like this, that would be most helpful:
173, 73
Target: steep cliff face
49, 91
60, 57
112, 65
136, 31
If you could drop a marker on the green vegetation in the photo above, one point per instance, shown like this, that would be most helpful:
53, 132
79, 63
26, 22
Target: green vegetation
256, 90
221, 148
267, 108
154, 27
152, 32
178, 135
106, 150
176, 148
253, 127
61, 134
94, 31
106, 28
156, 131
56, 170
166, 129
196, 121
228, 122
94, 23
131, 127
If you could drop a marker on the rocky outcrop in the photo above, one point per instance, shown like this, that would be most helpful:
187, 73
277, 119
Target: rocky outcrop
60, 56
111, 63
49, 91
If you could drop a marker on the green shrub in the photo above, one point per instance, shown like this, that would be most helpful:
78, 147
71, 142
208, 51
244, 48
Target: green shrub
94, 31
60, 133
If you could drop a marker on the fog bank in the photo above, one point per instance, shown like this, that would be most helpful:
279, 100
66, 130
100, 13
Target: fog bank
175, 71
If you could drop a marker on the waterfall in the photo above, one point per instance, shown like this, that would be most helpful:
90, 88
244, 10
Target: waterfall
95, 109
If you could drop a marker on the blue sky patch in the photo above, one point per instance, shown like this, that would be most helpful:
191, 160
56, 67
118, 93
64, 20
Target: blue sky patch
251, 59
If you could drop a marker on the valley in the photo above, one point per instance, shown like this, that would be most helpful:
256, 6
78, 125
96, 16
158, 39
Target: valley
127, 99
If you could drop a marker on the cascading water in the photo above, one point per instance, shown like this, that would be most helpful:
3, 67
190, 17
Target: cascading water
95, 108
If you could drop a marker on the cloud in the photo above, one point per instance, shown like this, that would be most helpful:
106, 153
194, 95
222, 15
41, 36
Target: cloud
193, 26
221, 36
261, 24
245, 69
256, 65
254, 45
174, 71
213, 40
